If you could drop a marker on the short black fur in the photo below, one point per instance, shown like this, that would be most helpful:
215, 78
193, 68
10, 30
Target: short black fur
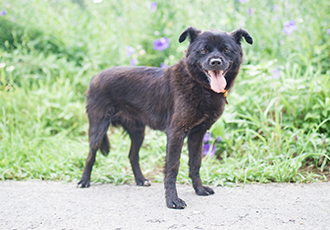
177, 100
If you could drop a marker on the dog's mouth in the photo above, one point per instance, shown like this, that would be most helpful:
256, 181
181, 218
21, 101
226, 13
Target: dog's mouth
217, 80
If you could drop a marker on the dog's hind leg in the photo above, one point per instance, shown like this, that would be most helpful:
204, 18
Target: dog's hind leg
97, 139
86, 176
195, 147
136, 134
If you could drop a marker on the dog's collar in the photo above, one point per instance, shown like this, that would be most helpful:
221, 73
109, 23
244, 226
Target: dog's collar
225, 94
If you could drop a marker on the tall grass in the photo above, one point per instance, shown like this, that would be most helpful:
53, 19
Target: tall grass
274, 129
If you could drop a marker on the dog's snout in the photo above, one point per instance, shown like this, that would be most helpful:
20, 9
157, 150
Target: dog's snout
215, 61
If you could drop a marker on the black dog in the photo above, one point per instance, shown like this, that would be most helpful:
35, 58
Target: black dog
182, 100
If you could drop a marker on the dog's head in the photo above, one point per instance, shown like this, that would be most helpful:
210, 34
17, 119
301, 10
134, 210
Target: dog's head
214, 57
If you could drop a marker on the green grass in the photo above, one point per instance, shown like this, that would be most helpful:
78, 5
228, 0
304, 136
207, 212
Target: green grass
272, 130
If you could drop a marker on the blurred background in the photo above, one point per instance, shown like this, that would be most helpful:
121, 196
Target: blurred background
276, 127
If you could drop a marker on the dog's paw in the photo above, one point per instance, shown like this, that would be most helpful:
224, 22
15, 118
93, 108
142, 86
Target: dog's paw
143, 182
204, 191
176, 203
147, 183
83, 183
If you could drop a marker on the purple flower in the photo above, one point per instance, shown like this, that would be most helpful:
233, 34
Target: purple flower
275, 7
3, 13
153, 6
243, 1
276, 74
162, 65
161, 44
133, 62
250, 12
207, 137
289, 27
209, 151
130, 50
218, 139
328, 31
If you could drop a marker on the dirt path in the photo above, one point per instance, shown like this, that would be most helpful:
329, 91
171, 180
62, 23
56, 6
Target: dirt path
54, 205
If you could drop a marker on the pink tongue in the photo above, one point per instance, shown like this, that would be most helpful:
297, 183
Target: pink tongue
218, 82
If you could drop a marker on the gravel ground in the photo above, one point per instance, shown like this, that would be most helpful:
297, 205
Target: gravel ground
56, 205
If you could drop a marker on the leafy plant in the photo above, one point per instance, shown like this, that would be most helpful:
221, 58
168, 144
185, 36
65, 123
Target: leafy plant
275, 128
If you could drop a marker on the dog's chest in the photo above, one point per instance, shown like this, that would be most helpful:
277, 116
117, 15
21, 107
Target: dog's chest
212, 107
206, 111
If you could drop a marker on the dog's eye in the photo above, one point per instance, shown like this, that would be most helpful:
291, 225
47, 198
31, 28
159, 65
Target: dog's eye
226, 50
204, 51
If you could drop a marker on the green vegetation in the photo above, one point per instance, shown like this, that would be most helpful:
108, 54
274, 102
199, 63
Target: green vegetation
276, 127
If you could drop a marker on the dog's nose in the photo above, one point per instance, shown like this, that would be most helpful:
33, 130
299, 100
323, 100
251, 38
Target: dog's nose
215, 62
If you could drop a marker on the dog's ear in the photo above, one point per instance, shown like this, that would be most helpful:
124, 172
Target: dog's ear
239, 33
192, 32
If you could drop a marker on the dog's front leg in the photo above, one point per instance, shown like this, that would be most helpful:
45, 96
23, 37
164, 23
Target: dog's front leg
174, 146
195, 147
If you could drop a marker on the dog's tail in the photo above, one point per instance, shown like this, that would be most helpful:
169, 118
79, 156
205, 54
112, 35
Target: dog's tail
98, 138
105, 145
